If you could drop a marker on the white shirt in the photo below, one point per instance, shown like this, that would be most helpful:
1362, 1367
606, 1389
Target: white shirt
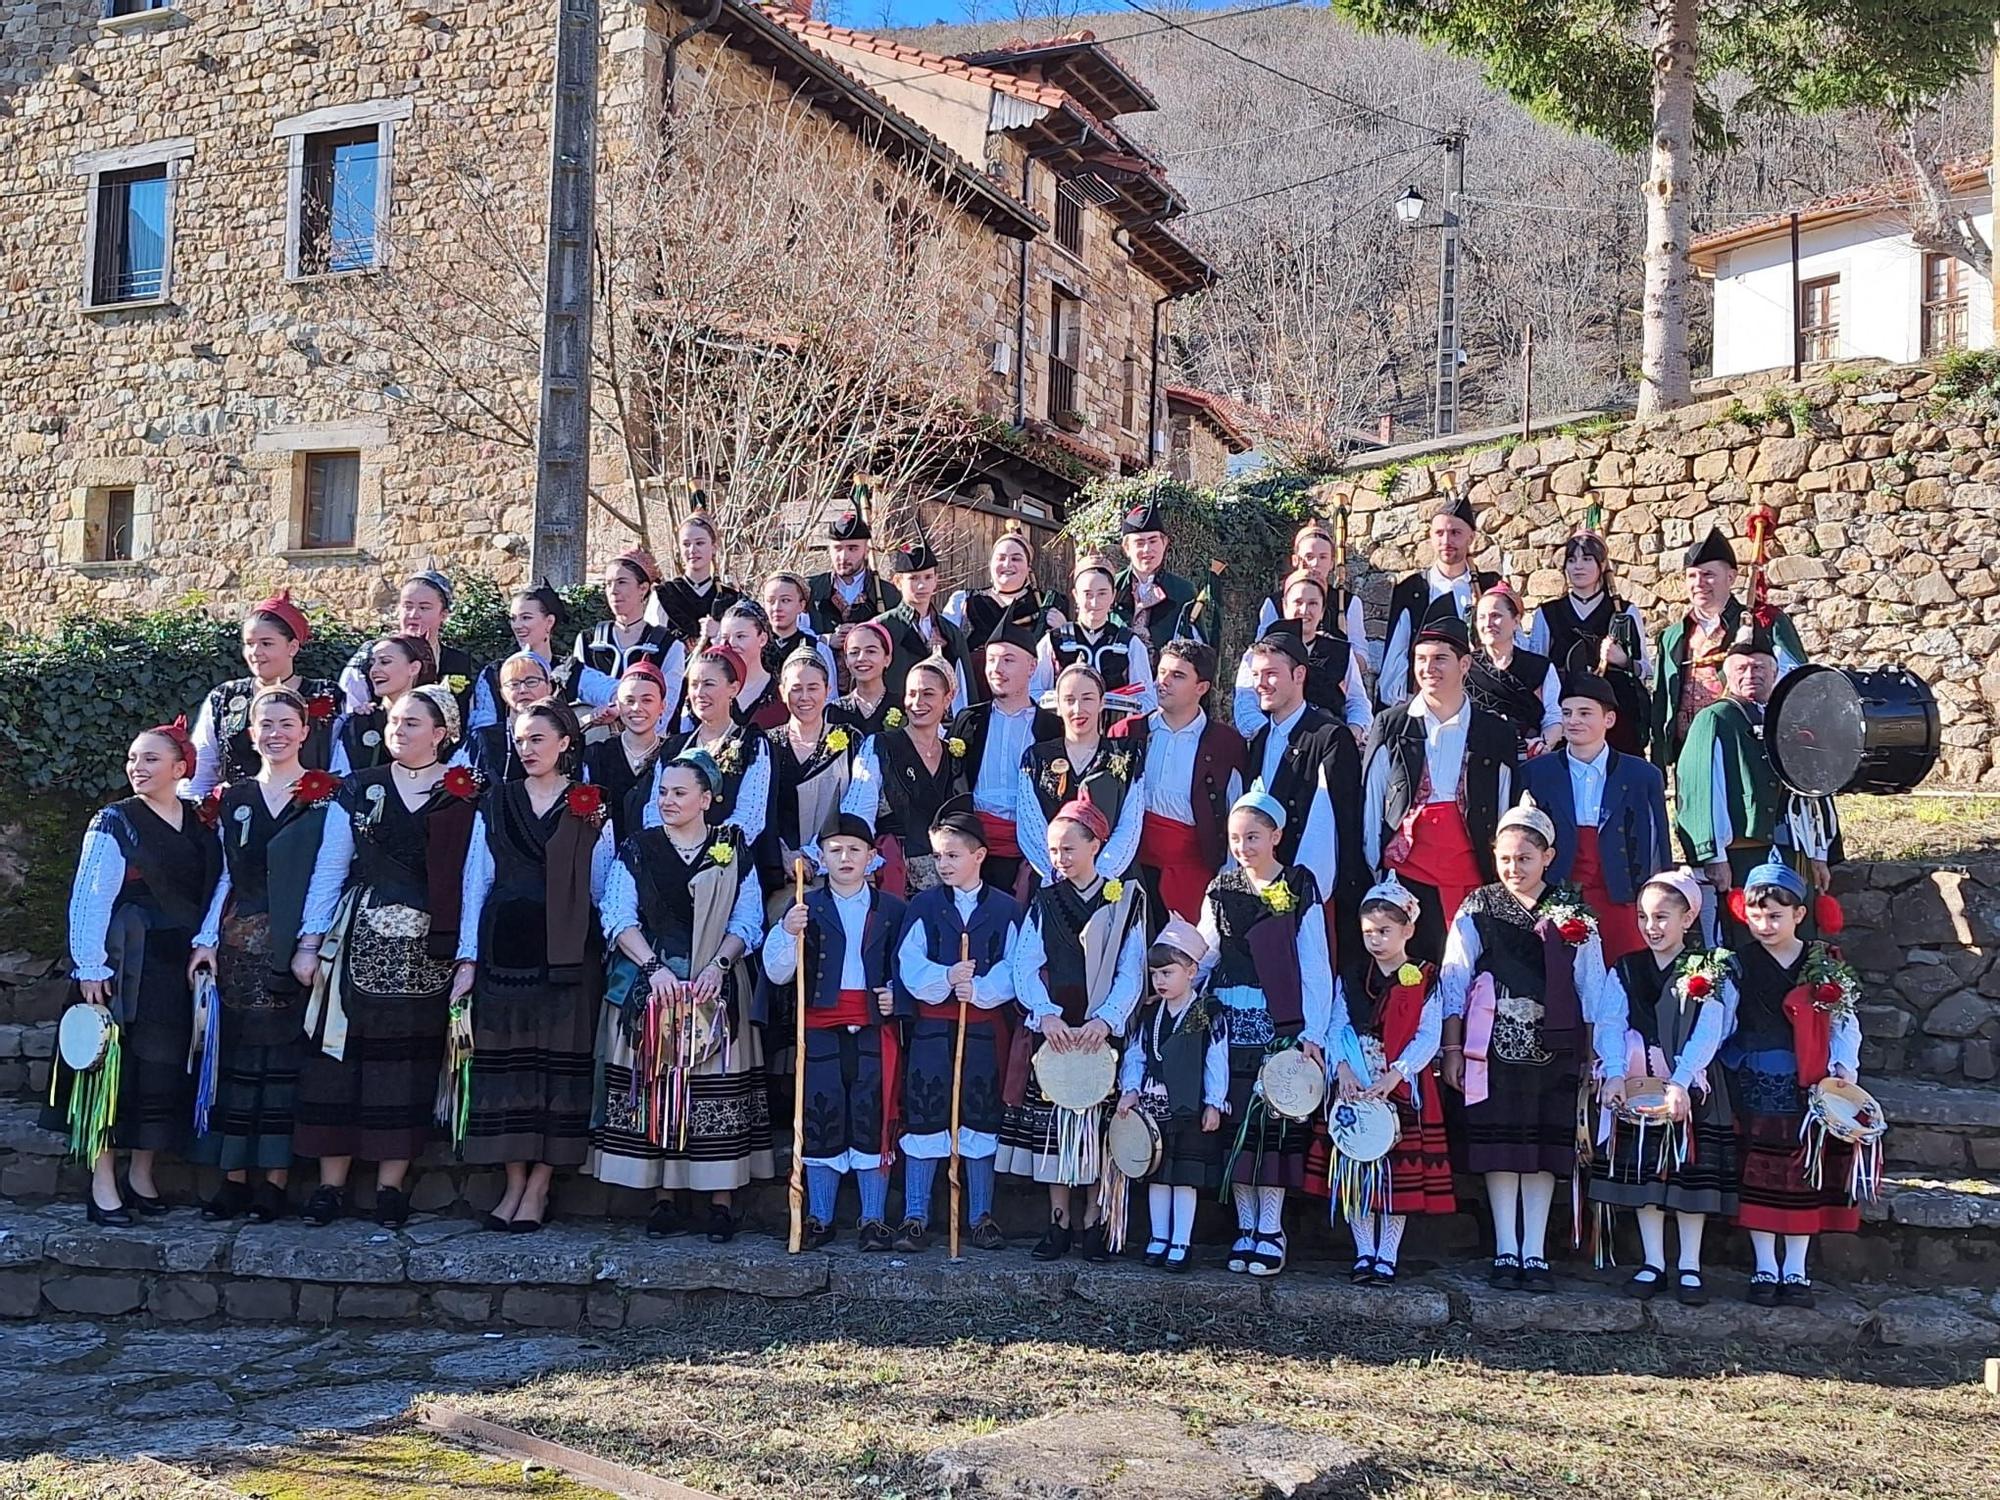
1712, 1026
1642, 659
1352, 625
1413, 1059
1031, 955
1171, 756
1462, 950
1008, 736
1214, 1063
1444, 756
1275, 744
781, 950
931, 983
1315, 973
477, 881
1586, 785
1393, 685
1354, 698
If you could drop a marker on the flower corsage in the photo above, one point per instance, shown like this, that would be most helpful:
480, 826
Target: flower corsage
1701, 974
722, 853
1278, 897
956, 746
315, 788
463, 783
1573, 921
837, 740
895, 719
585, 800
1831, 982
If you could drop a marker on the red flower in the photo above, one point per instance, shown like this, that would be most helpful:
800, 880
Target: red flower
462, 782
1700, 986
1738, 907
315, 787
585, 800
321, 707
1826, 910
1575, 930
1826, 992
209, 810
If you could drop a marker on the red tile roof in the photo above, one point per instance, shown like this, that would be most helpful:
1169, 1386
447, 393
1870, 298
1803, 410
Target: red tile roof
1225, 413
1889, 192
881, 46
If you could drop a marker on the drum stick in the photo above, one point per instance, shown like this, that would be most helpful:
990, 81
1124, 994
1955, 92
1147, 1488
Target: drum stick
798, 1193
957, 1090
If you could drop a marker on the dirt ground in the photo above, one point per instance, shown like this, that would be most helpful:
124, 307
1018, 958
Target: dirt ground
1919, 826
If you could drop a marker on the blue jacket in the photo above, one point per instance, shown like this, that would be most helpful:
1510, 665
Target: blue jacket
1632, 838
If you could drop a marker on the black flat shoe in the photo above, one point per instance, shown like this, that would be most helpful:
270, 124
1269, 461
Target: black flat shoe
1093, 1245
1504, 1273
267, 1203
1795, 1291
912, 1239
138, 1202
1178, 1261
1689, 1291
1535, 1276
1643, 1287
814, 1234
1763, 1290
1269, 1257
525, 1226
875, 1237
665, 1221
1055, 1244
1385, 1273
392, 1207
328, 1203
1364, 1270
721, 1225
1156, 1253
231, 1201
107, 1218
494, 1224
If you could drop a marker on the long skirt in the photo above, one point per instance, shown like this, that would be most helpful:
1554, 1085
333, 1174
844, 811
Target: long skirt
155, 1089
531, 1068
1528, 1120
378, 1101
1031, 1133
251, 1121
1776, 1194
1419, 1163
727, 1143
1263, 1147
1640, 1172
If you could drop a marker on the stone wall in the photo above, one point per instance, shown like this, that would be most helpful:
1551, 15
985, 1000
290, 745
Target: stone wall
1888, 503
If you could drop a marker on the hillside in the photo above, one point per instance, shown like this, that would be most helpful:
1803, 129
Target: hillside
1327, 304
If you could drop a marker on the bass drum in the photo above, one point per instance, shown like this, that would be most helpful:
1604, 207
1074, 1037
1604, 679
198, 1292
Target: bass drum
1845, 729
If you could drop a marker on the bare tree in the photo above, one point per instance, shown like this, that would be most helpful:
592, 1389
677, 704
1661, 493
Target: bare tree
1939, 220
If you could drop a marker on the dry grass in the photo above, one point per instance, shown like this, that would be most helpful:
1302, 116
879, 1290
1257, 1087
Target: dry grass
1920, 826
819, 1401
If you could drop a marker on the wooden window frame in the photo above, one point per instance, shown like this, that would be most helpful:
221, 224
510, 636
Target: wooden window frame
1070, 206
94, 167
1819, 341
1953, 306
381, 115
1065, 352
309, 462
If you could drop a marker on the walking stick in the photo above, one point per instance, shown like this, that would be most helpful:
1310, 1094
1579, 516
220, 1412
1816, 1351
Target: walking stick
798, 1193
957, 1090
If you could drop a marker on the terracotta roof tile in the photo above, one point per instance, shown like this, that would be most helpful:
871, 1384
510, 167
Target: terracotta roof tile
1887, 192
881, 46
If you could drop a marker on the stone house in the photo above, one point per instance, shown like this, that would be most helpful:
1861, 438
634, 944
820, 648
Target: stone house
189, 399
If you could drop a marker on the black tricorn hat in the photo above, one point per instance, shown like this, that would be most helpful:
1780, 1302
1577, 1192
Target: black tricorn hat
1712, 548
1141, 519
1020, 626
1588, 685
1442, 624
851, 524
1287, 637
956, 816
916, 554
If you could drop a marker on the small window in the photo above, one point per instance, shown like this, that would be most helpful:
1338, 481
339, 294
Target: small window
1069, 219
134, 7
1819, 319
130, 264
1065, 348
109, 528
341, 177
118, 508
1944, 324
332, 498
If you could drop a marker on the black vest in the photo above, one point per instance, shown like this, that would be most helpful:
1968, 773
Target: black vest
1489, 745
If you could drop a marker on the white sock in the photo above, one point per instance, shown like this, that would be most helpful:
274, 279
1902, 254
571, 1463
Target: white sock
1362, 1226
1765, 1245
1159, 1209
1503, 1196
1246, 1210
1392, 1238
1270, 1211
1183, 1232
1653, 1236
1796, 1246
1691, 1226
1538, 1192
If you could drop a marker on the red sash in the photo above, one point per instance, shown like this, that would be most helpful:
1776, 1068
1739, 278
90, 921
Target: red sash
1402, 1012
1812, 1036
1617, 922
857, 1008
1000, 836
1174, 850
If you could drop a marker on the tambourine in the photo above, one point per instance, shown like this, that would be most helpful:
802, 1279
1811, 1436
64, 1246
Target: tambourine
1646, 1102
1847, 1112
1364, 1130
1134, 1144
1076, 1080
84, 1036
1293, 1085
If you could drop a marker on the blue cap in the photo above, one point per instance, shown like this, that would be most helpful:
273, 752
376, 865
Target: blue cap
1262, 801
1775, 872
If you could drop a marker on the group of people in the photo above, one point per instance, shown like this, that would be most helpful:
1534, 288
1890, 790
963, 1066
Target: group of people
562, 911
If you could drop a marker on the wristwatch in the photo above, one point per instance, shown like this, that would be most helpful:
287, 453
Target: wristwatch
723, 963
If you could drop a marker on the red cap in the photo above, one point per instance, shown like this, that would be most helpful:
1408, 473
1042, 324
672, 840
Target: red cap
1080, 809
177, 735
648, 671
280, 607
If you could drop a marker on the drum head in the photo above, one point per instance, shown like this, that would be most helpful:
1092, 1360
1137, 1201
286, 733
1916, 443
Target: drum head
1293, 1084
1076, 1080
1815, 730
1848, 1111
1364, 1129
1133, 1141
1645, 1100
82, 1036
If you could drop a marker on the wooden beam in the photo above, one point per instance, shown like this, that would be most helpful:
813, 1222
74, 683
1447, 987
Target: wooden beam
510, 1442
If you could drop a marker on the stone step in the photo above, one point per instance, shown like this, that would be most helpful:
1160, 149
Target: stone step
1941, 1126
26, 1048
1927, 1202
180, 1269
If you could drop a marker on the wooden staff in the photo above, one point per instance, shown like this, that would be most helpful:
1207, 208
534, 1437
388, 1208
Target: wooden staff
798, 1193
957, 1091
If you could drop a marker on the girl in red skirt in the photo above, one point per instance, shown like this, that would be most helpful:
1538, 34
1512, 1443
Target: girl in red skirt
1387, 1020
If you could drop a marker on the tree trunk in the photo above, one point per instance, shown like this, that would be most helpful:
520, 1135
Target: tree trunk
1664, 374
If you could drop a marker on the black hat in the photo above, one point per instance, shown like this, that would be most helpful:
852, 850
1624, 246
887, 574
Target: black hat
1287, 637
1712, 548
1141, 519
956, 816
1442, 624
1753, 638
851, 525
1588, 685
847, 825
1020, 626
915, 555
1459, 508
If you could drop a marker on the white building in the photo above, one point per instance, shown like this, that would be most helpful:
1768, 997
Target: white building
1860, 288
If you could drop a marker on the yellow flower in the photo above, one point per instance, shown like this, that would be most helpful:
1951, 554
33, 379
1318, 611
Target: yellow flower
1409, 974
836, 739
457, 682
956, 746
722, 854
1113, 890
894, 718
1278, 896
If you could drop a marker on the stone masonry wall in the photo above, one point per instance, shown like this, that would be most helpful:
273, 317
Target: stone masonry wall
1888, 503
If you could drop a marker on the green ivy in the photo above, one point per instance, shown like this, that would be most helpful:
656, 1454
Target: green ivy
1964, 373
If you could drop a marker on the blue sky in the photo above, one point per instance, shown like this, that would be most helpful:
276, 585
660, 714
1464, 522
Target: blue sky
875, 14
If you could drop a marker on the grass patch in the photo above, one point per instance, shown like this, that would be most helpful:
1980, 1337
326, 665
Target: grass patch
1919, 827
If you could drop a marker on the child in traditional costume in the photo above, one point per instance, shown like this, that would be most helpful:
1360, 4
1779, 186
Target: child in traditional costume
903, 776
682, 1102
1523, 978
396, 664
1268, 970
1667, 1010
1387, 1020
1795, 1026
274, 632
848, 933
1082, 761
1078, 970
622, 763
1177, 1071
960, 914
147, 870
251, 943
531, 968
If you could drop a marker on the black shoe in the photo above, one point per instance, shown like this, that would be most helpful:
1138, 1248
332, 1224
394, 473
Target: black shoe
1763, 1290
986, 1234
138, 1202
1093, 1245
231, 1200
1055, 1244
1156, 1253
1269, 1257
721, 1225
1690, 1291
328, 1203
813, 1235
1178, 1260
107, 1218
665, 1221
1364, 1270
493, 1223
1385, 1273
913, 1238
875, 1236
1504, 1273
1535, 1275
526, 1226
1795, 1291
392, 1207
1645, 1287
267, 1203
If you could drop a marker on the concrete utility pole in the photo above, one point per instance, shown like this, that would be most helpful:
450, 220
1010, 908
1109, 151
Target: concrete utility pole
1447, 345
562, 436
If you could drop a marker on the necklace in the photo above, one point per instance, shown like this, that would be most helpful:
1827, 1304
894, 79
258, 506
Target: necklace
686, 851
413, 770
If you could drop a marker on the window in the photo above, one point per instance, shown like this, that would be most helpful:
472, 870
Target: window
109, 525
115, 8
1069, 219
1819, 319
1944, 325
331, 497
118, 506
131, 236
1065, 346
337, 213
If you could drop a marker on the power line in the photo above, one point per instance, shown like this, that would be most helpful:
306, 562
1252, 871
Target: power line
1208, 19
1305, 182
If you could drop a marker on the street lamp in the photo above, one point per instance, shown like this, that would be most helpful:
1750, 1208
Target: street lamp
1410, 213
1410, 207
